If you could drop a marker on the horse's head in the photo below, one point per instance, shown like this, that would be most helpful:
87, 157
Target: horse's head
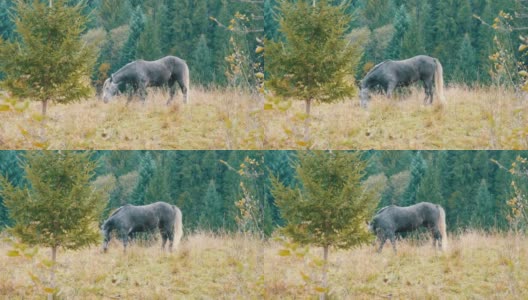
364, 96
106, 230
110, 89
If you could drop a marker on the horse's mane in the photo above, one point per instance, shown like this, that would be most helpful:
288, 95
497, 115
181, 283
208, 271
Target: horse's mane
118, 209
384, 208
376, 67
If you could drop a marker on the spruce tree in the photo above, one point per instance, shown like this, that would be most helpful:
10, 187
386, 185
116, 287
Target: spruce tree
137, 24
6, 23
147, 168
48, 62
328, 206
58, 207
313, 61
401, 24
202, 61
418, 168
465, 71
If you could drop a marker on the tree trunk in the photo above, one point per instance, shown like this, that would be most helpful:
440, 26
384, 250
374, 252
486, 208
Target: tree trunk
44, 107
307, 121
322, 296
52, 277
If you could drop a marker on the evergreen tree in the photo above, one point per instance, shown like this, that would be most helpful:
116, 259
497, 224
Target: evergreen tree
270, 24
211, 216
377, 13
6, 24
148, 46
329, 206
9, 167
54, 33
465, 71
418, 168
401, 24
482, 218
201, 63
137, 24
147, 168
58, 207
314, 62
113, 13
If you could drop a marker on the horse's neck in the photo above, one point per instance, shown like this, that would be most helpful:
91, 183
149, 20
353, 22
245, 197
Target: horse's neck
124, 73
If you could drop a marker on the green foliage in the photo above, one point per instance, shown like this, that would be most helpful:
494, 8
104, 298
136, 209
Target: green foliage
201, 62
465, 72
401, 24
313, 60
137, 24
6, 24
328, 206
48, 61
58, 207
113, 13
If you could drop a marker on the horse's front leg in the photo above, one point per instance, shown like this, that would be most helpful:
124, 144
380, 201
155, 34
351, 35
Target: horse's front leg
143, 92
382, 239
390, 89
393, 242
428, 87
172, 92
184, 89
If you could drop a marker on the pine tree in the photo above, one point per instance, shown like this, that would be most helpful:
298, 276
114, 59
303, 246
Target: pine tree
148, 46
465, 71
9, 167
401, 24
270, 24
6, 24
58, 207
113, 13
328, 207
137, 24
201, 63
482, 217
418, 168
54, 33
314, 61
147, 169
211, 212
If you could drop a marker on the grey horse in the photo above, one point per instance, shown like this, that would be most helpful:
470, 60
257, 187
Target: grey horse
393, 219
140, 74
394, 73
130, 219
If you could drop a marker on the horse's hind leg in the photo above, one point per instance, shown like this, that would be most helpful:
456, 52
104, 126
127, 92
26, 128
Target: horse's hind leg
172, 91
382, 239
437, 238
393, 242
428, 86
184, 89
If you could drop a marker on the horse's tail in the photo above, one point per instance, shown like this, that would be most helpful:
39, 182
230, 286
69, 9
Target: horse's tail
439, 80
442, 227
178, 226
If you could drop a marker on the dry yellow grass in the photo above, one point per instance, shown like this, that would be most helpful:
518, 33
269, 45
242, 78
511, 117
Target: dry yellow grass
476, 266
203, 267
485, 118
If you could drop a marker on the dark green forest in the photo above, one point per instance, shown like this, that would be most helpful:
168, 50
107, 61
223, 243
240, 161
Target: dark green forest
477, 41
204, 33
230, 190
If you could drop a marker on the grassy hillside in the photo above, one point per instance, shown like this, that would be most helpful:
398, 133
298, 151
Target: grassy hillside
239, 267
471, 119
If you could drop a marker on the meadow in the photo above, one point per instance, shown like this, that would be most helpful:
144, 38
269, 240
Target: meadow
207, 266
484, 118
